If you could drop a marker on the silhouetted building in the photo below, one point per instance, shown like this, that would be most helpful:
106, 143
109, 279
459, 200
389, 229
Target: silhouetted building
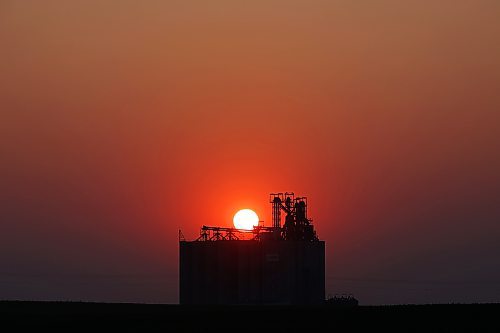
278, 265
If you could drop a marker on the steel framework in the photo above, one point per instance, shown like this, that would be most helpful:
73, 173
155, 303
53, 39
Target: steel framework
296, 226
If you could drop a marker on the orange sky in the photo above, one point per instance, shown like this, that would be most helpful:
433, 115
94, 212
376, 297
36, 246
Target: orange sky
124, 121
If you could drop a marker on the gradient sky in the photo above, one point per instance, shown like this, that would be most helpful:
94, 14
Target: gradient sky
123, 121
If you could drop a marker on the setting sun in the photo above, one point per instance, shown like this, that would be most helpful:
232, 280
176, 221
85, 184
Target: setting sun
245, 219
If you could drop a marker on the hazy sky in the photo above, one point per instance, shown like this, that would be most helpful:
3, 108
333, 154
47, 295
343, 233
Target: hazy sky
123, 121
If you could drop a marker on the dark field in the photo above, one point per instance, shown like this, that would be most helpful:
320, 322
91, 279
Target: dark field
178, 318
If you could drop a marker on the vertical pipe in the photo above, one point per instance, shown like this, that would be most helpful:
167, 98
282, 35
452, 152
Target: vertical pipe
276, 212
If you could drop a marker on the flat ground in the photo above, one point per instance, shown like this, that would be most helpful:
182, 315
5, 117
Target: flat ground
179, 318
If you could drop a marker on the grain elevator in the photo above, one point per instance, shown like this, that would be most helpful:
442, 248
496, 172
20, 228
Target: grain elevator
279, 264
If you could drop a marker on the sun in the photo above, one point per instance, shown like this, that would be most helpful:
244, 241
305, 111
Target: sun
245, 219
